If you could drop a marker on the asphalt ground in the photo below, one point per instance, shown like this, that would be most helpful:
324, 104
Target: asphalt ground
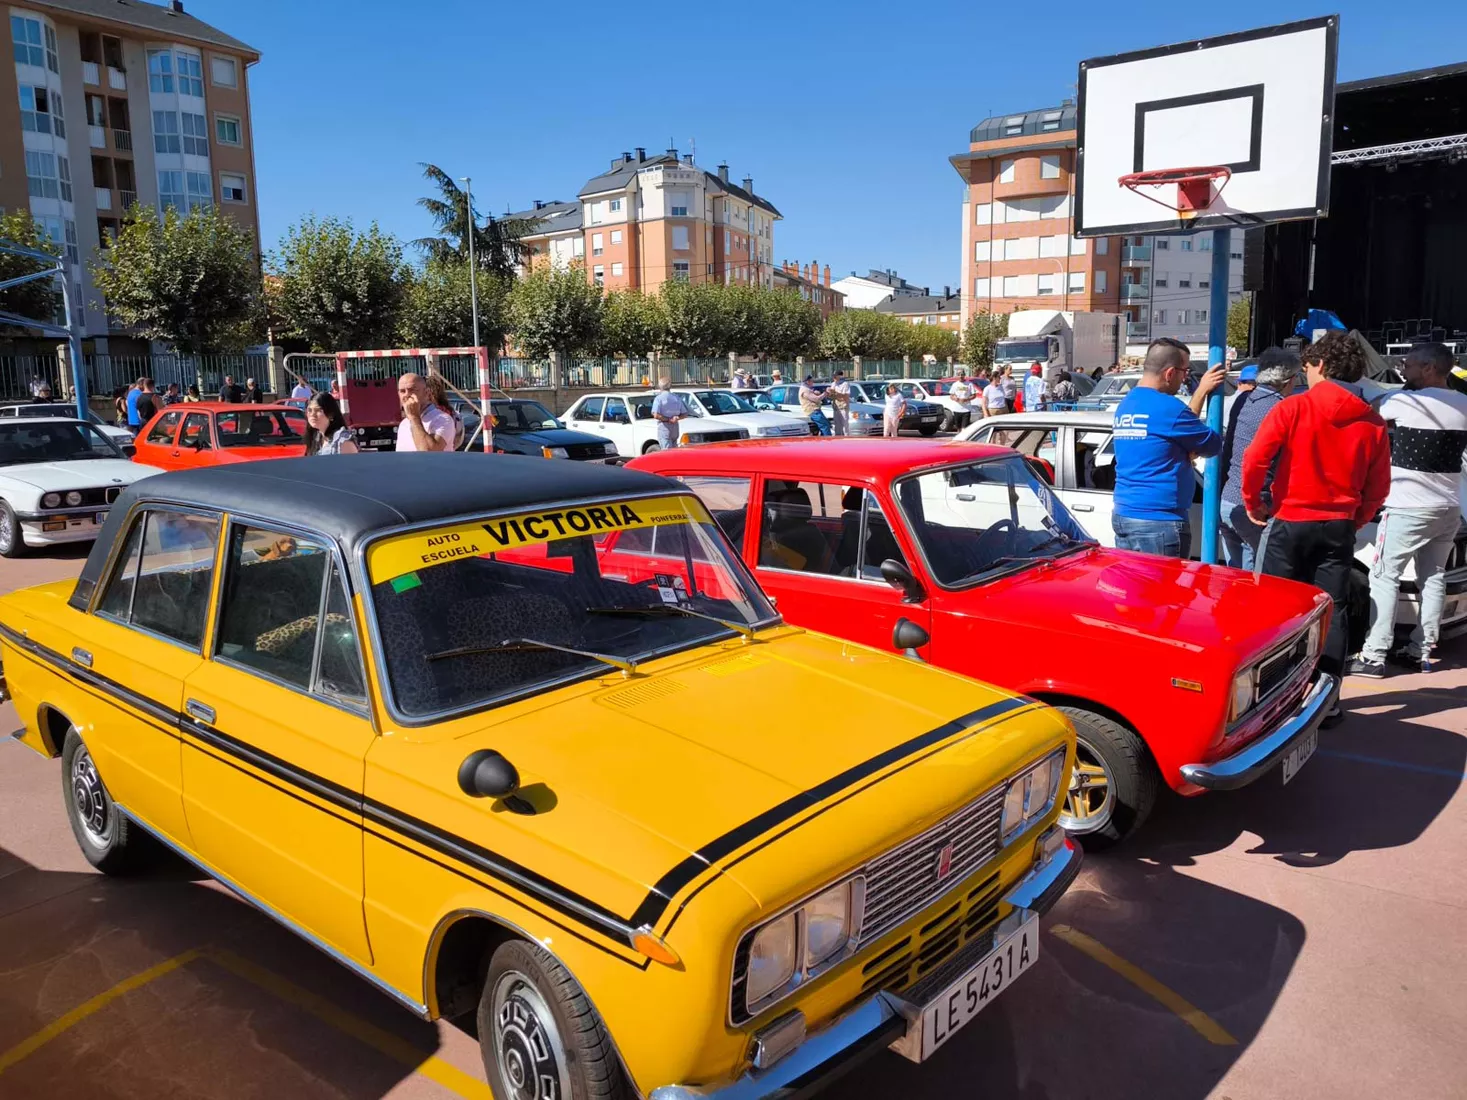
1301, 941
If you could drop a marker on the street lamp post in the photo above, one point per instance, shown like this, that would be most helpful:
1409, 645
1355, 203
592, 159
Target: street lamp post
473, 273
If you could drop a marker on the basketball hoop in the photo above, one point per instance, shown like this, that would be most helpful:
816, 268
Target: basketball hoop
1195, 189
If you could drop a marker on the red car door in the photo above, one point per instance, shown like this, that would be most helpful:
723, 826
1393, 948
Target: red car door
195, 446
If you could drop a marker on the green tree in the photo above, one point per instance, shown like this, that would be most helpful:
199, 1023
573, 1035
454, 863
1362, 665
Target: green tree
940, 343
863, 332
497, 247
556, 310
190, 280
791, 325
340, 289
633, 324
697, 325
39, 299
983, 332
438, 307
1240, 322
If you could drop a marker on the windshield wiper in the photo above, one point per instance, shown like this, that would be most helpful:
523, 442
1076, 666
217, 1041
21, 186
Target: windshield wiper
672, 609
510, 644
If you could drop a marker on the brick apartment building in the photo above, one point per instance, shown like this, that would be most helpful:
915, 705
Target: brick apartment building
1020, 252
110, 103
648, 220
940, 311
811, 285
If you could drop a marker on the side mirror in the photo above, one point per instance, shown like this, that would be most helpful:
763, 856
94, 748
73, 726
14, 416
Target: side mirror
129, 450
487, 774
900, 577
909, 637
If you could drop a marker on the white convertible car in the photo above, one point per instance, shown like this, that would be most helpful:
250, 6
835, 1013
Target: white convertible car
58, 479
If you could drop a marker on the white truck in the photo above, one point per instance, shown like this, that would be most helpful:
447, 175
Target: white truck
1061, 340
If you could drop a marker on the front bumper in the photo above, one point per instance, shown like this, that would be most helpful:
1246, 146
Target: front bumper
874, 1024
1259, 757
34, 533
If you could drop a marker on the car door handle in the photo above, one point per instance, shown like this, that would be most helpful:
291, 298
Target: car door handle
967, 498
177, 453
200, 711
1082, 507
81, 656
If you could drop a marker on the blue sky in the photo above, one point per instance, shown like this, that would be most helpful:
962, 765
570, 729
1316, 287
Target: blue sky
844, 115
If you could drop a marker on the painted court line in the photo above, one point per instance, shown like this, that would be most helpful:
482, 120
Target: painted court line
1361, 758
1193, 1016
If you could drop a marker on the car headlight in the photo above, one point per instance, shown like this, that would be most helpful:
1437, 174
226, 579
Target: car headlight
73, 498
1316, 637
797, 945
554, 452
1031, 793
51, 500
772, 958
827, 924
1240, 698
609, 448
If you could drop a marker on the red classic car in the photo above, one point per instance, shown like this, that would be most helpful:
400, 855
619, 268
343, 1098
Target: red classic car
207, 433
1199, 677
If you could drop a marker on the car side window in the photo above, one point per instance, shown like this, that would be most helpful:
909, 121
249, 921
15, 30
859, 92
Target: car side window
1095, 461
727, 498
165, 574
591, 408
881, 544
162, 433
806, 526
195, 431
339, 668
616, 411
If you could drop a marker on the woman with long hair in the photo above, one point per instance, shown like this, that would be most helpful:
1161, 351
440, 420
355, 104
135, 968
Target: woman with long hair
438, 391
326, 430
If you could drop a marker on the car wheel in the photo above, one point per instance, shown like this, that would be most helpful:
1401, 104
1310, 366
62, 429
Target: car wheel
12, 542
929, 430
539, 1035
947, 423
1114, 785
110, 842
650, 446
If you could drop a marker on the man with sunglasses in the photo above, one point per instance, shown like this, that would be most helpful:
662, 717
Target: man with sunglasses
1156, 436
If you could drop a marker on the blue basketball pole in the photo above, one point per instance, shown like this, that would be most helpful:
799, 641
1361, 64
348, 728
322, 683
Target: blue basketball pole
1217, 352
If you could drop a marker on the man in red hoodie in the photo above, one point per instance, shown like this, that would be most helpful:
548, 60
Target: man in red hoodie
1331, 463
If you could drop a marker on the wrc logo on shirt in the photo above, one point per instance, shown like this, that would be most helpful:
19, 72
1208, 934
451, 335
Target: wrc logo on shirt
1131, 425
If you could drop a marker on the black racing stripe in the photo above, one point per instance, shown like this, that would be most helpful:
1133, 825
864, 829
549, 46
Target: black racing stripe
220, 756
319, 786
656, 902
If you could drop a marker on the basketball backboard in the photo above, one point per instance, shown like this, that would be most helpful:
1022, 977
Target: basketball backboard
1259, 104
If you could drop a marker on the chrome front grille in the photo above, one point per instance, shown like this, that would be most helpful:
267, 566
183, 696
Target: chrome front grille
907, 879
1282, 665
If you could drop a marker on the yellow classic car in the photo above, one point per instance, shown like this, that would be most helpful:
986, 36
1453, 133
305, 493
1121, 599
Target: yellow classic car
423, 711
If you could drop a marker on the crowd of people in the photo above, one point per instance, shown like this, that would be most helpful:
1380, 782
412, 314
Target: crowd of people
1304, 473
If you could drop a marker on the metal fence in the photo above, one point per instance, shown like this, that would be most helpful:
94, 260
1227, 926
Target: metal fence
21, 375
107, 374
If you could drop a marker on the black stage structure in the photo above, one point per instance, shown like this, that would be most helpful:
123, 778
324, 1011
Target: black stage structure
1391, 258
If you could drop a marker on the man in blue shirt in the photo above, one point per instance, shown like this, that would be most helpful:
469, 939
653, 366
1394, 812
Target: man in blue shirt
667, 409
1156, 436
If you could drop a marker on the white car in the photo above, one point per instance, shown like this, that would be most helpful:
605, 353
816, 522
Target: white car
121, 436
736, 410
1078, 449
58, 479
626, 420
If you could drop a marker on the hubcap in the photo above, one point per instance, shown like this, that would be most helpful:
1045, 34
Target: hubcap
1091, 798
7, 530
527, 1044
90, 798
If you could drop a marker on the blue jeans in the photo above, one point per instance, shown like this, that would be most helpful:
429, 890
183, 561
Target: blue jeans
1169, 538
1239, 535
821, 421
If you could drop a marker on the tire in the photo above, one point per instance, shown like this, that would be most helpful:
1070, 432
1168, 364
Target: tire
651, 447
12, 542
535, 1022
928, 430
111, 843
1111, 759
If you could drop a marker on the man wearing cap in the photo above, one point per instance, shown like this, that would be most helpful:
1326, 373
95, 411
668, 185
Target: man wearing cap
810, 401
740, 380
1034, 389
1269, 382
839, 392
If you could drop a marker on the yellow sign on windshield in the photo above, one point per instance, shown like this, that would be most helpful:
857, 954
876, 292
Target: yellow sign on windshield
396, 557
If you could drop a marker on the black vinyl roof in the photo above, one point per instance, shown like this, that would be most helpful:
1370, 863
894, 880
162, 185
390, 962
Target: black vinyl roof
350, 497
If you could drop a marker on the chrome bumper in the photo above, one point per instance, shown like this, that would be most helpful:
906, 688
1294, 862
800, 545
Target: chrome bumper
1258, 757
873, 1025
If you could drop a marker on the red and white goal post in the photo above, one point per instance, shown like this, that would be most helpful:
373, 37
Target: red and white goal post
430, 356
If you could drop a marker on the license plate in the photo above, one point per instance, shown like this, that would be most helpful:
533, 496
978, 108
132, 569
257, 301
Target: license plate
1299, 755
928, 419
100, 518
971, 993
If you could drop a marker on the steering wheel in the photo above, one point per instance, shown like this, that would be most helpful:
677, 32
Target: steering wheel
997, 540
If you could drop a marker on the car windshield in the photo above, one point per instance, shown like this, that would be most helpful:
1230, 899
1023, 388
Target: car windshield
267, 428
980, 519
1115, 385
53, 441
473, 613
1011, 351
938, 389
719, 403
521, 416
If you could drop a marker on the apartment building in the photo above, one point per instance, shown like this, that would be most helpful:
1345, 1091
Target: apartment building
865, 291
808, 281
1167, 282
112, 103
647, 220
940, 311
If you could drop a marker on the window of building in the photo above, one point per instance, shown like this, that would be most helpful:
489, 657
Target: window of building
616, 270
1049, 168
73, 250
931, 319
40, 111
597, 244
170, 190
680, 238
1102, 246
200, 190
983, 213
1048, 284
1051, 247
1013, 125
1100, 282
224, 72
1235, 255
1204, 245
578, 248
1201, 315
40, 173
227, 130
1186, 244
598, 275
1077, 281
1184, 281
982, 250
195, 135
1005, 171
680, 270
615, 206
231, 187
164, 576
1050, 120
160, 71
165, 132
1159, 316
1181, 316
190, 74
980, 288
1019, 286
616, 236
596, 212
29, 34
1053, 206
1077, 246
677, 204
1163, 244
1204, 282
1162, 280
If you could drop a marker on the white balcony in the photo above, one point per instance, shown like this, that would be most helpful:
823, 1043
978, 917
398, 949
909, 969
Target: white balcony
97, 136
91, 72
104, 198
116, 78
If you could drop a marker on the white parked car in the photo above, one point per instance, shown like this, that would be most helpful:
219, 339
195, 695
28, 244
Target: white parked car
1076, 451
735, 409
121, 436
626, 420
58, 479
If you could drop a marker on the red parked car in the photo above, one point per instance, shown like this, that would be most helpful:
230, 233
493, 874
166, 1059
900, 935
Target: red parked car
1199, 677
208, 433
